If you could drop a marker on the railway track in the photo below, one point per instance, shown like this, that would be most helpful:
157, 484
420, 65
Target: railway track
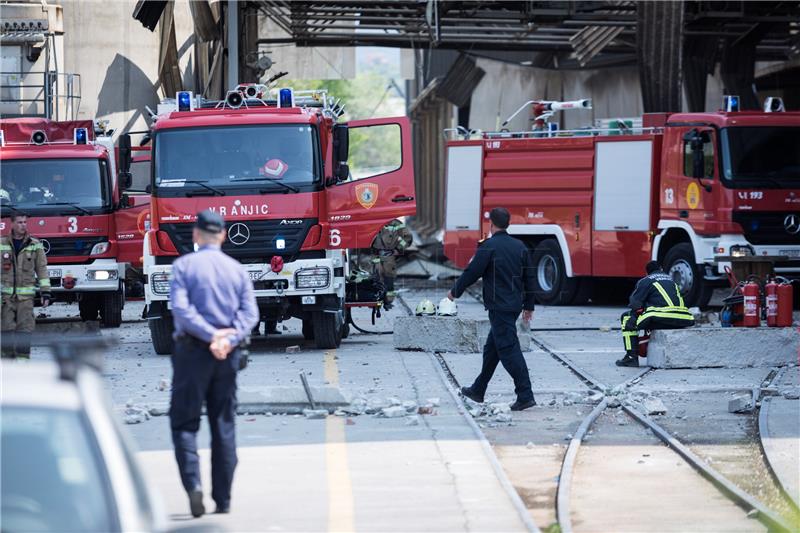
738, 516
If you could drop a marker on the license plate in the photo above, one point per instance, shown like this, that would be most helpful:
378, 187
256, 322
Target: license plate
254, 276
790, 253
309, 300
53, 273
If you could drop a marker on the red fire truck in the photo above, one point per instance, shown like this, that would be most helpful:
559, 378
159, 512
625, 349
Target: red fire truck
692, 190
63, 176
296, 189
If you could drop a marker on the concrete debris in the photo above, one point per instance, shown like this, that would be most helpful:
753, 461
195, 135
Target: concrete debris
552, 401
594, 398
614, 402
742, 403
412, 420
394, 401
433, 402
163, 385
136, 415
529, 445
425, 410
394, 411
605, 329
792, 393
499, 408
654, 406
292, 349
375, 405
568, 437
358, 406
503, 418
410, 406
445, 334
315, 414
339, 412
159, 411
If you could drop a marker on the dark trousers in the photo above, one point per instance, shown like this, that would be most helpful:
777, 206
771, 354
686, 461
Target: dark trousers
630, 331
502, 346
198, 377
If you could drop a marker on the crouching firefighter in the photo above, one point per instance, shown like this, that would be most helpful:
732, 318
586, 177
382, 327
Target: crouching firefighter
656, 303
392, 241
24, 263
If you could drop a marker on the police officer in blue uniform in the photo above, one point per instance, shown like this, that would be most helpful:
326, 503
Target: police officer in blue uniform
656, 303
505, 266
214, 310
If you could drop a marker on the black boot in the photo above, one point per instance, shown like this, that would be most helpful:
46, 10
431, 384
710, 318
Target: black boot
630, 359
472, 395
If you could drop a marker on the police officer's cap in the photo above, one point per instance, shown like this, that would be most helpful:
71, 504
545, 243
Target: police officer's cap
210, 221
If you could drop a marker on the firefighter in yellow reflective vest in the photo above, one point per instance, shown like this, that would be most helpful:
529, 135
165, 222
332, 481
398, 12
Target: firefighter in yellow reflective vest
393, 240
656, 303
24, 264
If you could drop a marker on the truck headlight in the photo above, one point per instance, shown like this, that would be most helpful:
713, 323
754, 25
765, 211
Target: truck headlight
101, 275
741, 251
312, 278
159, 283
99, 248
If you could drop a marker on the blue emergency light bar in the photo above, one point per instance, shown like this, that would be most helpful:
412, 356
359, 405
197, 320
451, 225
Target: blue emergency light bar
730, 104
286, 98
80, 136
185, 101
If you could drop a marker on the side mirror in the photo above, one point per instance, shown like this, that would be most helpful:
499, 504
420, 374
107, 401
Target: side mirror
341, 143
342, 172
125, 156
124, 201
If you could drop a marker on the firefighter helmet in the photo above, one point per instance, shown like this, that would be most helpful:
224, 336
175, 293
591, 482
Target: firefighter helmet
425, 308
447, 307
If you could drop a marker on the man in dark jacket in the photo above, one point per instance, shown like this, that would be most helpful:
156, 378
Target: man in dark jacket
656, 303
504, 264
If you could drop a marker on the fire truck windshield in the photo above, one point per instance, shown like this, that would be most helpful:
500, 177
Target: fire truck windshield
761, 156
54, 185
274, 159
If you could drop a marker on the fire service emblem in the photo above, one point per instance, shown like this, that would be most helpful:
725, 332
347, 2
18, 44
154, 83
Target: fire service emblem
367, 194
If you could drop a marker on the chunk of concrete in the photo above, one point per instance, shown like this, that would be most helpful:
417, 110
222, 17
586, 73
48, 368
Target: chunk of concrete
315, 414
742, 403
654, 406
445, 334
395, 411
722, 347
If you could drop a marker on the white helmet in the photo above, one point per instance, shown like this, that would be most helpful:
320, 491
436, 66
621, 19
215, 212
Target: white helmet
425, 308
447, 307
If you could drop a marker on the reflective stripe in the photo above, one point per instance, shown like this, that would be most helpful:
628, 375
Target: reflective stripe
8, 290
664, 294
659, 314
5, 247
44, 283
26, 290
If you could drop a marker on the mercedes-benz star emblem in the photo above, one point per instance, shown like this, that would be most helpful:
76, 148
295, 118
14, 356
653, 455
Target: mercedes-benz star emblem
792, 224
45, 245
238, 234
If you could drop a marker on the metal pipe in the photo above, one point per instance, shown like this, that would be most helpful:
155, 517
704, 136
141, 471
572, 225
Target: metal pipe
233, 43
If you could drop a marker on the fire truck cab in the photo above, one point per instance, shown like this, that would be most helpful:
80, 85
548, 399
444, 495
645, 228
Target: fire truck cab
296, 189
695, 191
63, 176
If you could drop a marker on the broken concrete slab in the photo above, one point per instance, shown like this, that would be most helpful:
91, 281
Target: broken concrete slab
288, 399
722, 347
395, 411
742, 403
445, 334
315, 414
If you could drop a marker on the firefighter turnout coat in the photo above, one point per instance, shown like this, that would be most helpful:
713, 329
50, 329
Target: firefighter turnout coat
22, 270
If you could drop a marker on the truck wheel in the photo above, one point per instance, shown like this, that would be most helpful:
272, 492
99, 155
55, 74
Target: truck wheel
111, 309
161, 330
308, 329
583, 291
551, 284
327, 330
679, 263
89, 307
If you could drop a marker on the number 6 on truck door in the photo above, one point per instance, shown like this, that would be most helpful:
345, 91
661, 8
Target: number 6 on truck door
375, 185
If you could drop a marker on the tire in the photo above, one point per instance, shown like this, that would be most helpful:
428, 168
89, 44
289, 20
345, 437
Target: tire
308, 329
327, 330
551, 284
89, 307
111, 309
161, 330
680, 264
583, 291
345, 330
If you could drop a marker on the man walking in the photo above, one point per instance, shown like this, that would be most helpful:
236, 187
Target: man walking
214, 311
24, 264
656, 303
504, 264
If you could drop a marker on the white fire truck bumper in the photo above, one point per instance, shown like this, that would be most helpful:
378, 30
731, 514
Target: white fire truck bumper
100, 275
302, 278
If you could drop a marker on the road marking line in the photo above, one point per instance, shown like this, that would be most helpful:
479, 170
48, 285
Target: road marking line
340, 489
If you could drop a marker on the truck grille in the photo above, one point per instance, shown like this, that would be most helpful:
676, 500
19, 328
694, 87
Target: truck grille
259, 246
70, 246
766, 228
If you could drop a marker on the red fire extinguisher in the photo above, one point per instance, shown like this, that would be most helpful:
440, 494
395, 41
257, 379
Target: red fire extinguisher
785, 299
752, 307
771, 289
